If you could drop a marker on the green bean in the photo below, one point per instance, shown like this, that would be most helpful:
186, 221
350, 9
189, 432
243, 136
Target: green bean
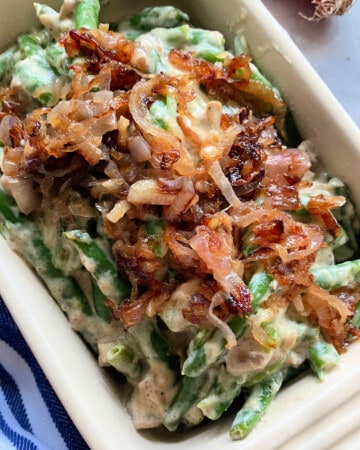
204, 44
258, 76
29, 45
350, 224
87, 14
158, 16
322, 357
163, 112
125, 361
256, 405
208, 346
33, 73
259, 286
53, 21
45, 10
162, 350
197, 360
100, 307
153, 344
8, 209
58, 59
149, 341
192, 417
226, 388
35, 76
7, 60
355, 321
190, 391
30, 69
27, 241
333, 277
99, 264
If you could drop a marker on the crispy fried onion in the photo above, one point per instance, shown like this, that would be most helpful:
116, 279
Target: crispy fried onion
217, 300
79, 125
75, 125
320, 206
98, 46
215, 249
232, 82
178, 244
283, 171
135, 310
223, 183
245, 165
175, 195
161, 142
278, 231
328, 311
104, 49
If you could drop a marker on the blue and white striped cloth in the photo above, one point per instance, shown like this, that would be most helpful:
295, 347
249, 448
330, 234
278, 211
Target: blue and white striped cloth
31, 415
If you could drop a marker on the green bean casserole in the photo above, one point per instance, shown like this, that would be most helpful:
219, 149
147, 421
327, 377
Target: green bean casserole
152, 178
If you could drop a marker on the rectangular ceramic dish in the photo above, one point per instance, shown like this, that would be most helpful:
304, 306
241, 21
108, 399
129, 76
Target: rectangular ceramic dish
308, 414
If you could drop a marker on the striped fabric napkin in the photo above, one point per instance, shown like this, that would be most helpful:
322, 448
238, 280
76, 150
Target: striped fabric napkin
31, 415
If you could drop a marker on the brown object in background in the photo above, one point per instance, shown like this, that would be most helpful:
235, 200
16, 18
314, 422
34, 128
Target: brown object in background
327, 8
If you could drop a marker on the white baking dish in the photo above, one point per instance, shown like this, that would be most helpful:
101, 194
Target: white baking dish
301, 413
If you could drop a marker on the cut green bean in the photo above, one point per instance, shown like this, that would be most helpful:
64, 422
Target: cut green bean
55, 22
226, 388
208, 346
256, 405
100, 307
192, 417
162, 350
87, 14
34, 75
356, 318
350, 224
125, 361
7, 60
158, 16
202, 43
29, 45
45, 10
322, 357
190, 391
8, 209
99, 264
153, 344
34, 43
27, 241
333, 277
31, 71
58, 59
257, 75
